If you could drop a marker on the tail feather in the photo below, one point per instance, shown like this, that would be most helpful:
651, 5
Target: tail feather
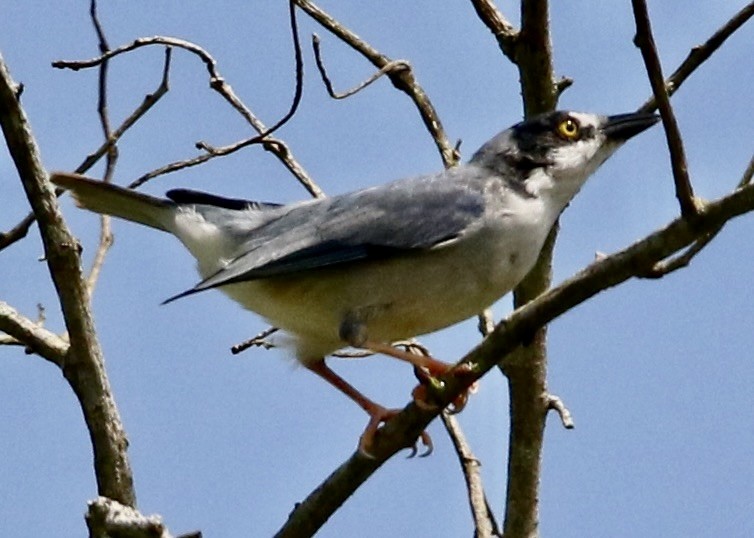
113, 200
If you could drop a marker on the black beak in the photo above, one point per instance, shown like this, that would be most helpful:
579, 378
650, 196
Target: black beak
623, 126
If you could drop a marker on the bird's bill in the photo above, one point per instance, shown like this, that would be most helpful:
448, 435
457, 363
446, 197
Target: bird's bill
623, 126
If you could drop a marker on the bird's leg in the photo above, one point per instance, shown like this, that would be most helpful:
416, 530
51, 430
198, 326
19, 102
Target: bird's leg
354, 331
377, 413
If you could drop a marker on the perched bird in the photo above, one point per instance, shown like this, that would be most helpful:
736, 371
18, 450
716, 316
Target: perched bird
385, 263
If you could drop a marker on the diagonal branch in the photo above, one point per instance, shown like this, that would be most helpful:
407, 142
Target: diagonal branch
504, 32
36, 338
83, 366
402, 79
664, 267
401, 431
485, 525
701, 53
645, 41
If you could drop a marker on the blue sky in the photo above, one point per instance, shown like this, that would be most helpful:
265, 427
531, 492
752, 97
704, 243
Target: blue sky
656, 373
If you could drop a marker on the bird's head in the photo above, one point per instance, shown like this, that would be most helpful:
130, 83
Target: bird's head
554, 154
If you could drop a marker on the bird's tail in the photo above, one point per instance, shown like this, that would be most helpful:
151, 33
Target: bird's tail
112, 200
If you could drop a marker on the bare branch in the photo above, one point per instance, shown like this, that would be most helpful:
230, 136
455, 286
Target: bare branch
508, 336
22, 228
504, 32
83, 366
16, 233
680, 261
147, 103
106, 517
645, 41
259, 340
106, 236
485, 525
526, 372
701, 53
218, 83
534, 58
402, 79
32, 335
391, 66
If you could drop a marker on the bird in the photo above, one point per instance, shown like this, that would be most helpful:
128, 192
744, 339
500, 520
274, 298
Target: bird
385, 263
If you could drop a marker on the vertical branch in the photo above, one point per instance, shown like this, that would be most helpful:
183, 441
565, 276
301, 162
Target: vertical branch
83, 366
527, 370
105, 234
534, 58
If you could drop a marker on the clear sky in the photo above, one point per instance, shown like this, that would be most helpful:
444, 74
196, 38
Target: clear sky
656, 373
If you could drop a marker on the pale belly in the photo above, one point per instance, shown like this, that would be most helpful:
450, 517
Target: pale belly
395, 298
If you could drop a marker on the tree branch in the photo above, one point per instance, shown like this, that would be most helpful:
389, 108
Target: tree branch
106, 235
107, 518
701, 53
645, 41
402, 79
485, 525
395, 65
32, 335
218, 84
526, 373
83, 365
504, 32
22, 228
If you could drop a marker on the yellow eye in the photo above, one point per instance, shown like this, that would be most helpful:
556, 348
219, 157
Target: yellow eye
568, 129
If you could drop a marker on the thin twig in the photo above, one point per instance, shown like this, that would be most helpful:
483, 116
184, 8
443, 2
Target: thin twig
701, 53
259, 340
276, 146
147, 103
554, 403
391, 66
645, 41
16, 233
680, 261
402, 79
19, 231
485, 525
106, 235
218, 84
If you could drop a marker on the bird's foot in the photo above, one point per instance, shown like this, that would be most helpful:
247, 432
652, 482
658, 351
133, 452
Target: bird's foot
428, 380
379, 415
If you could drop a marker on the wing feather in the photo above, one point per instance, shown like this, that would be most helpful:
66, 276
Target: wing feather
391, 220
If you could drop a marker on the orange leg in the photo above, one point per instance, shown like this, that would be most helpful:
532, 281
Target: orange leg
377, 413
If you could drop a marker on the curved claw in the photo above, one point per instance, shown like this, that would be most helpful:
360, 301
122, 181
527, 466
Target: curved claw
380, 415
426, 440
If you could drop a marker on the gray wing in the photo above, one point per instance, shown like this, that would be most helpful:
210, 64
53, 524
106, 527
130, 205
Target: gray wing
391, 220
